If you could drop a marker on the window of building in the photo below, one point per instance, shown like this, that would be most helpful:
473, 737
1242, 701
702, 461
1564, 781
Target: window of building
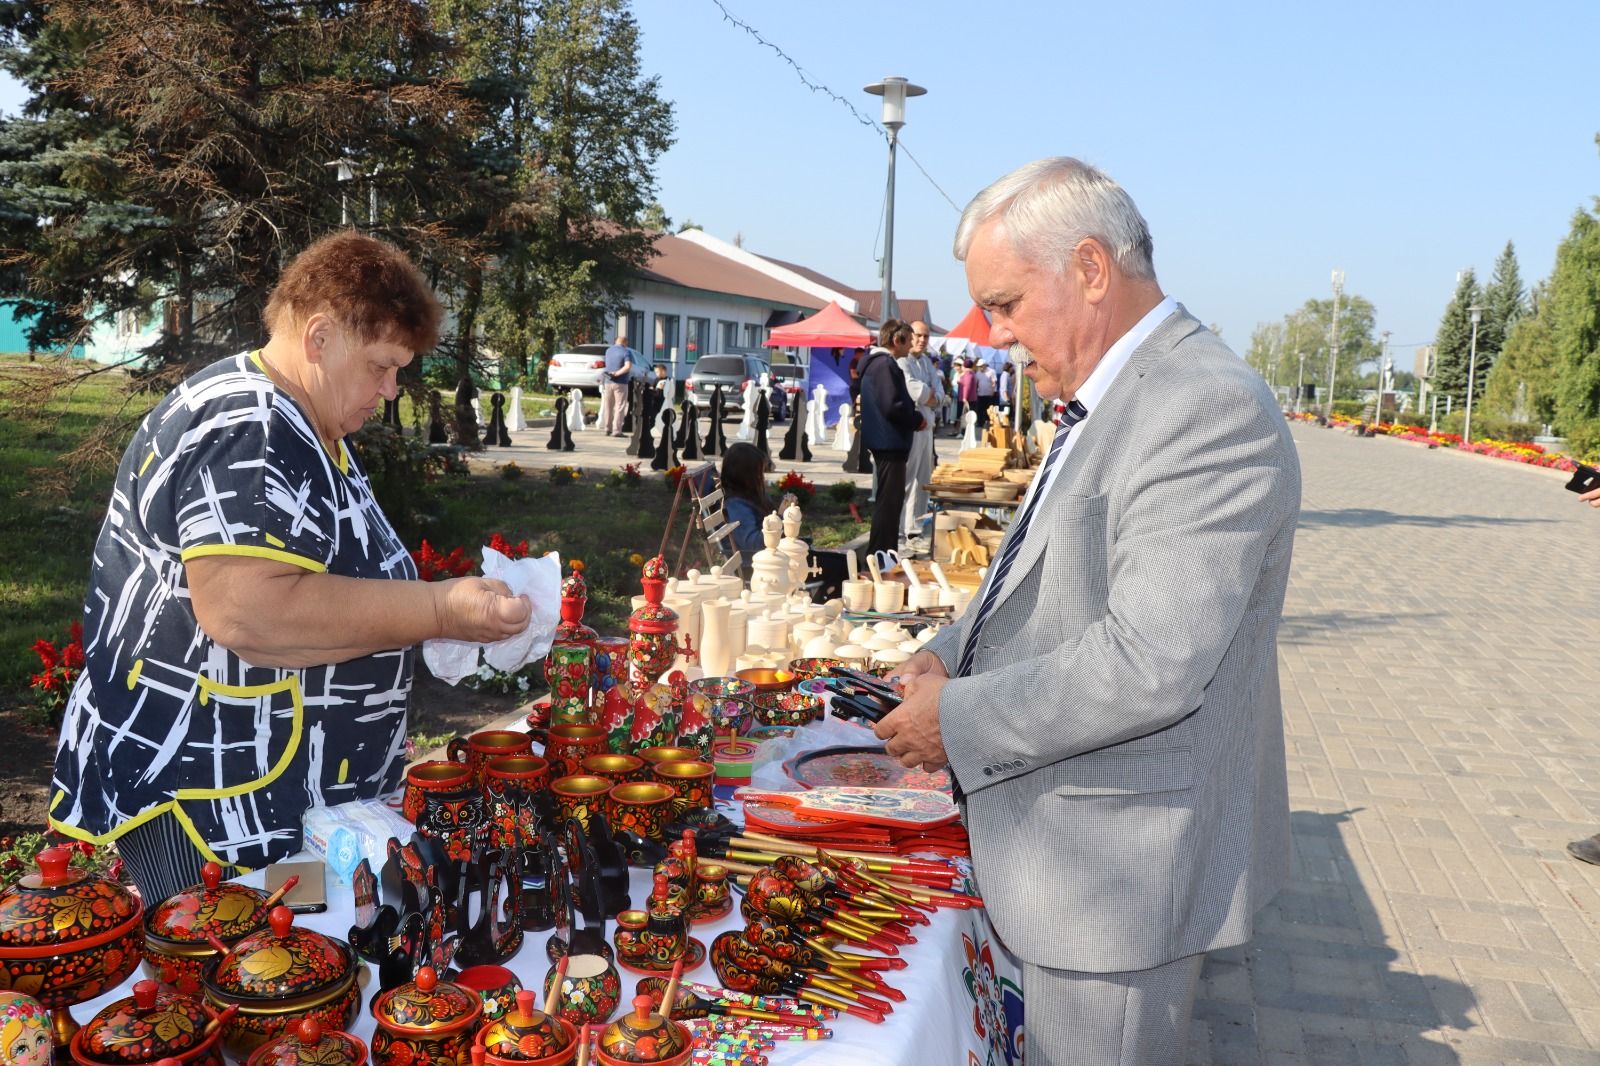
699, 338
666, 339
631, 324
752, 336
729, 332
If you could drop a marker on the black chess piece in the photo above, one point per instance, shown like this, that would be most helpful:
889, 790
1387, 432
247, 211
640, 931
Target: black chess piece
715, 443
561, 433
638, 417
667, 451
763, 422
630, 417
651, 407
689, 430
436, 431
466, 417
496, 430
391, 413
795, 445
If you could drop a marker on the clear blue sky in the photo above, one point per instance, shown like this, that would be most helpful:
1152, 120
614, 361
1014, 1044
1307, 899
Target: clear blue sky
1265, 142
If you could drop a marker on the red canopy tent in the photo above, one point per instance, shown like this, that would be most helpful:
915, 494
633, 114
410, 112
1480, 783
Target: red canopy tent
973, 328
831, 327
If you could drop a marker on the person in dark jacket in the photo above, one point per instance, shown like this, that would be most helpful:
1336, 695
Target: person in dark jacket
888, 420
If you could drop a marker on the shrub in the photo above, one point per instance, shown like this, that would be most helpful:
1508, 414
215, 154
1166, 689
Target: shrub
1583, 441
564, 475
842, 492
1487, 425
510, 472
1409, 419
402, 471
1350, 408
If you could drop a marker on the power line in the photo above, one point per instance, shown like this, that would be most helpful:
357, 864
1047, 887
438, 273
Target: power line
801, 74
925, 174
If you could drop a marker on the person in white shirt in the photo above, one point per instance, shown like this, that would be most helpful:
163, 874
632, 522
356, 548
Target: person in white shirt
927, 391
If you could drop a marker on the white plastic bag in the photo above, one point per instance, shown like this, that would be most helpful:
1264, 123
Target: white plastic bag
539, 579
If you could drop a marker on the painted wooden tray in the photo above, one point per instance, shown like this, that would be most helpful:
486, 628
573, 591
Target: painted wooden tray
909, 808
861, 767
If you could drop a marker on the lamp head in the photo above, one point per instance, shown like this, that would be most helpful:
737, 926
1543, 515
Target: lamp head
894, 90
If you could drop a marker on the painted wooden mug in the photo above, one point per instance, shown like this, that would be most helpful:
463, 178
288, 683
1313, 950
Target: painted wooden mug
570, 744
433, 776
581, 797
478, 749
618, 768
690, 783
640, 807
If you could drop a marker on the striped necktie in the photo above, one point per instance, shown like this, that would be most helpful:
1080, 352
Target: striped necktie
1074, 413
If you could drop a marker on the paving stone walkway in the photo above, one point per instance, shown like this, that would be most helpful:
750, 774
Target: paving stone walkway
1441, 683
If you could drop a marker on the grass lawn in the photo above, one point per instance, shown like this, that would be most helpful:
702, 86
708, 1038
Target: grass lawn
47, 530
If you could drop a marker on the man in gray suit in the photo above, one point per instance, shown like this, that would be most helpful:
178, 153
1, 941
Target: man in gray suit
1109, 704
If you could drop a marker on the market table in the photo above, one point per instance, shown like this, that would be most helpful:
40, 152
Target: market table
963, 1000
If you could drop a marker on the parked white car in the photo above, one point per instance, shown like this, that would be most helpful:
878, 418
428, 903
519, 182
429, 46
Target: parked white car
582, 368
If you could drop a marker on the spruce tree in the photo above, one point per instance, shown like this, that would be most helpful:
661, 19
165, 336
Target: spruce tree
1575, 322
1523, 381
1454, 341
1504, 303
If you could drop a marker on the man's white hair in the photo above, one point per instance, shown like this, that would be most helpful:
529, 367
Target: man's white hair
1050, 205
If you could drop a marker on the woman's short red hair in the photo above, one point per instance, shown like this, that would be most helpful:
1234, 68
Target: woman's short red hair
370, 286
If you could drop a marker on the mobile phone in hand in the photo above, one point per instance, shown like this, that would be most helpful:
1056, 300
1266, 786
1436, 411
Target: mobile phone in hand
1584, 479
310, 896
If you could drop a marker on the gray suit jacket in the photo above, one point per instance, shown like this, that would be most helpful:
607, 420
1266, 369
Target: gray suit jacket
1120, 741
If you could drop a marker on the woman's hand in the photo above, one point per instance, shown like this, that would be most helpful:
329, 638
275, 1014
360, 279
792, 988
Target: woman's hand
480, 609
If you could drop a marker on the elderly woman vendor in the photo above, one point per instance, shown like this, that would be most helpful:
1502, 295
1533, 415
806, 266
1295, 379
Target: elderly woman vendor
251, 614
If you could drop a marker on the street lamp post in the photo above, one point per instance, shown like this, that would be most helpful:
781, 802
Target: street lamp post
1383, 360
344, 174
1300, 382
1472, 371
894, 91
1333, 361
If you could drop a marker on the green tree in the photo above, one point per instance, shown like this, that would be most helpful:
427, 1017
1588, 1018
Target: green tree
210, 128
1522, 385
599, 126
1504, 302
1313, 326
1454, 340
1575, 322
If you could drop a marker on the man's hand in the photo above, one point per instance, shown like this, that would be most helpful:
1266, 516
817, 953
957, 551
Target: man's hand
911, 730
480, 609
1592, 497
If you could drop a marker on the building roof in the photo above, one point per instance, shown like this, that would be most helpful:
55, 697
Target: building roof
691, 266
867, 299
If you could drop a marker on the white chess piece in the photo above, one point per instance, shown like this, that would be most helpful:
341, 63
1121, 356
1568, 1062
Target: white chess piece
575, 420
842, 439
477, 412
515, 423
970, 438
817, 430
747, 425
660, 424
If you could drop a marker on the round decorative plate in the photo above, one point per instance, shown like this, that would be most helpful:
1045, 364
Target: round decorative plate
861, 768
692, 958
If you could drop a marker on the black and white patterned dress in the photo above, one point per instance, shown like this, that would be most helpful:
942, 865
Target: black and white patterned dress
163, 718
